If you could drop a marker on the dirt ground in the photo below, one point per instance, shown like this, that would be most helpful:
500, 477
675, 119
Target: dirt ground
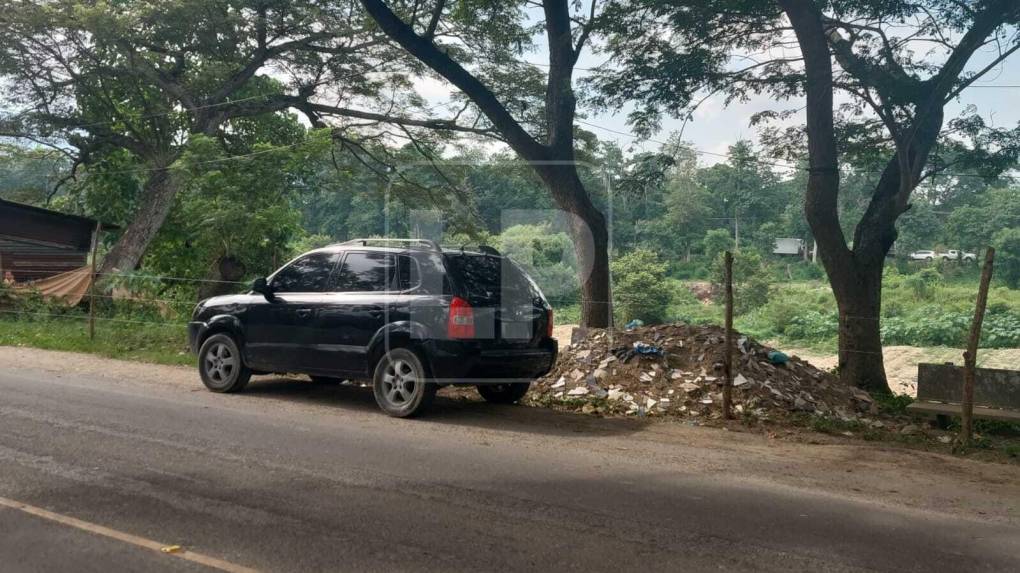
901, 362
879, 473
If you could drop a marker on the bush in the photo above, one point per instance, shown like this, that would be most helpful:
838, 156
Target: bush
750, 281
934, 326
813, 326
639, 287
1007, 256
924, 284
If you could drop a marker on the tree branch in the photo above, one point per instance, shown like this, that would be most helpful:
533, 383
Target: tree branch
428, 53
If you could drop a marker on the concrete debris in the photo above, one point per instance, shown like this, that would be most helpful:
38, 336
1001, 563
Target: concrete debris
910, 430
675, 370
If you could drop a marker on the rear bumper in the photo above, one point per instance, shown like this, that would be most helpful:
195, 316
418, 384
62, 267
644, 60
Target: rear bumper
465, 362
196, 331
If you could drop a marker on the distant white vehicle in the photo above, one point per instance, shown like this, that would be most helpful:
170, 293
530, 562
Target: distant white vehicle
922, 256
954, 255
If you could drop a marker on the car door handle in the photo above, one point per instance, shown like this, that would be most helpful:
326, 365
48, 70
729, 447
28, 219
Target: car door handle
304, 312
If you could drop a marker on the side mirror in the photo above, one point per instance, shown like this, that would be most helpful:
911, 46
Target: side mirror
261, 286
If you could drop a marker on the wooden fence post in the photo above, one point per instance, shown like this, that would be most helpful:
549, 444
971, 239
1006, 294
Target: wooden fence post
92, 283
727, 393
970, 356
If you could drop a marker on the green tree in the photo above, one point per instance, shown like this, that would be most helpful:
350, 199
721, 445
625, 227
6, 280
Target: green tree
716, 242
146, 77
533, 110
546, 255
974, 224
640, 287
750, 280
1007, 256
662, 53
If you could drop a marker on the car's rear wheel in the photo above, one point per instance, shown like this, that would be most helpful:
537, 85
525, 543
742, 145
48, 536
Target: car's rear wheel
400, 385
220, 364
509, 393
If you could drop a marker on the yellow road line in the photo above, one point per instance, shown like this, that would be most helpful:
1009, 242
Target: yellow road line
161, 548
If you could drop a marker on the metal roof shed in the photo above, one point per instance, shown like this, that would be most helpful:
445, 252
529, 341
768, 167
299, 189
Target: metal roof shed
37, 243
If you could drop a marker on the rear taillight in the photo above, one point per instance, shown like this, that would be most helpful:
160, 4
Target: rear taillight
461, 323
549, 323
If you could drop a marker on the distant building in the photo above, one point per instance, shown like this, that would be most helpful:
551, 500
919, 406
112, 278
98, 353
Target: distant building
789, 246
38, 243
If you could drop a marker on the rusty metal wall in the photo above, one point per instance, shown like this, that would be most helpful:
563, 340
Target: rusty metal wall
36, 243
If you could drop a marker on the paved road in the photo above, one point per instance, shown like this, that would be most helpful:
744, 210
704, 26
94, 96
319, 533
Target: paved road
297, 477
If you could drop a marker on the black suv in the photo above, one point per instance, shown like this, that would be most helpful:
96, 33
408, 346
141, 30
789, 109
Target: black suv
405, 313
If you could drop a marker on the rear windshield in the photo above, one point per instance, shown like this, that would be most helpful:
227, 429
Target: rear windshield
489, 277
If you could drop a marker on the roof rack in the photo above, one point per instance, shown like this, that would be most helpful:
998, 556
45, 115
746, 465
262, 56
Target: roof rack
427, 243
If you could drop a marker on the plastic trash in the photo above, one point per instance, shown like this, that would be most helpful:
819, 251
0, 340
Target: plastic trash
636, 323
776, 357
647, 349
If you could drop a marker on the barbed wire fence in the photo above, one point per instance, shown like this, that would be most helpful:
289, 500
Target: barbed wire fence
116, 307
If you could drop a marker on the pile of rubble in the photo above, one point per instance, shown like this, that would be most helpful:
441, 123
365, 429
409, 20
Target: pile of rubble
677, 370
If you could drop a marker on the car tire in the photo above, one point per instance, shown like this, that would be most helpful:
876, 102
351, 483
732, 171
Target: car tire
509, 393
929, 259
221, 365
400, 384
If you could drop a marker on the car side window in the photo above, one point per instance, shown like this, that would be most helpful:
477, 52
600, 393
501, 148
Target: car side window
367, 272
408, 274
308, 274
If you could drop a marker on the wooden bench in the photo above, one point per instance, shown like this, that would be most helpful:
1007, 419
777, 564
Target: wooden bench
940, 392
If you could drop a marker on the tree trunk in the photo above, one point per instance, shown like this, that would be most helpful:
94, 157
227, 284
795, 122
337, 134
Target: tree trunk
593, 270
590, 236
855, 275
859, 299
156, 201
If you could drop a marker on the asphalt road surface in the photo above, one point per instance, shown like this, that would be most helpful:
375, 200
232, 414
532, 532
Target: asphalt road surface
292, 476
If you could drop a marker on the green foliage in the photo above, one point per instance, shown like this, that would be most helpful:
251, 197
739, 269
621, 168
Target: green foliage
640, 289
924, 283
1007, 256
750, 280
162, 343
716, 242
547, 256
892, 404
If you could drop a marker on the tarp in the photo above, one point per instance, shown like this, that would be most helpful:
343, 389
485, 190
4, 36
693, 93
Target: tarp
69, 288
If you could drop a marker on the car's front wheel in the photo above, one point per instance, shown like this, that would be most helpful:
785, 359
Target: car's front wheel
509, 393
400, 385
220, 364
